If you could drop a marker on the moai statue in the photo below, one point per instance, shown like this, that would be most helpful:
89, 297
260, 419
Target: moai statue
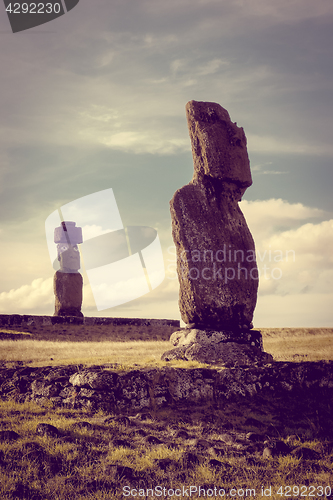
68, 281
216, 261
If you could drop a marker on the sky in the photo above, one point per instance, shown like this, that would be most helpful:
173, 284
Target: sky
95, 100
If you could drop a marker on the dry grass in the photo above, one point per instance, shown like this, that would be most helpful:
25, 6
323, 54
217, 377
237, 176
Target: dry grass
66, 346
41, 352
298, 344
80, 463
75, 465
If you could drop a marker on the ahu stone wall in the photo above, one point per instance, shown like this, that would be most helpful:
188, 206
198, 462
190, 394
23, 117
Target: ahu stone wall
110, 389
30, 320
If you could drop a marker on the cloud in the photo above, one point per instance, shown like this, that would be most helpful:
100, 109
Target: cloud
269, 144
37, 296
258, 170
293, 255
265, 217
91, 231
150, 141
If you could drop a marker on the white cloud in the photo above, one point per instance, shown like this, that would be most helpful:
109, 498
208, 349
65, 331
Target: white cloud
92, 231
293, 255
27, 298
265, 217
148, 141
295, 286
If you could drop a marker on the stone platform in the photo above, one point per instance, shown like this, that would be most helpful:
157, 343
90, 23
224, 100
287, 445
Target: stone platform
112, 389
30, 320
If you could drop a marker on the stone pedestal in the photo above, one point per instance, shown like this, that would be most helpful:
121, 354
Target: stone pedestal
218, 347
68, 294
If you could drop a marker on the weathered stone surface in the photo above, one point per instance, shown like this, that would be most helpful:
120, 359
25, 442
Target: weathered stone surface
47, 430
218, 347
167, 387
216, 262
93, 379
68, 294
45, 389
218, 145
187, 337
174, 354
228, 354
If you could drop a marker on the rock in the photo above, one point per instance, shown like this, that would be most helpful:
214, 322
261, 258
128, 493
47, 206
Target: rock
267, 453
93, 379
182, 434
227, 438
120, 443
68, 294
139, 432
189, 459
253, 436
47, 430
123, 421
166, 463
216, 452
178, 353
202, 444
45, 389
145, 390
152, 440
216, 263
306, 453
276, 448
187, 337
227, 354
216, 464
8, 436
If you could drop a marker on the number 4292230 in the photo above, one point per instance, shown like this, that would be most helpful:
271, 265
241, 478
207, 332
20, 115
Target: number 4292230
34, 8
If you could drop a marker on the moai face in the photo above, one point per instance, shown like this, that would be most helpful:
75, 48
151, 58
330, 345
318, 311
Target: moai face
67, 237
218, 145
69, 257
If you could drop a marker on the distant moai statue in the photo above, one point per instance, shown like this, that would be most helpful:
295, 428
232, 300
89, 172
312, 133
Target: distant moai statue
68, 282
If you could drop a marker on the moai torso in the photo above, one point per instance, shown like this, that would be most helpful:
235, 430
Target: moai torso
216, 261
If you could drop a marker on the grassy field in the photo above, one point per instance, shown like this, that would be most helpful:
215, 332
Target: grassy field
99, 456
141, 346
105, 457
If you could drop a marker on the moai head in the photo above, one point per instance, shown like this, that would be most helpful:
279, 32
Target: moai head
68, 237
218, 145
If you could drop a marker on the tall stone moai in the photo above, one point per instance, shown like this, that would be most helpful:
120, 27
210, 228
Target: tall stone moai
216, 262
68, 282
